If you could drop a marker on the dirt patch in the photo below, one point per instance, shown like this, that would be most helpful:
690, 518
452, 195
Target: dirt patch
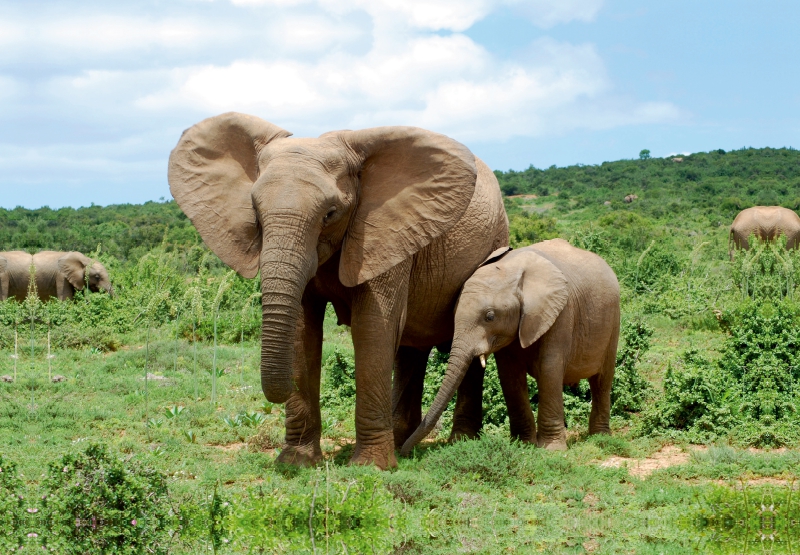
523, 197
231, 446
762, 481
669, 455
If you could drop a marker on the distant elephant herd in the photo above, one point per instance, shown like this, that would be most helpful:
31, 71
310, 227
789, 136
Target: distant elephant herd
404, 232
56, 275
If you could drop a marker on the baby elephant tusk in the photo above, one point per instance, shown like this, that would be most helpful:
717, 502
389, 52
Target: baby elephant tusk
483, 361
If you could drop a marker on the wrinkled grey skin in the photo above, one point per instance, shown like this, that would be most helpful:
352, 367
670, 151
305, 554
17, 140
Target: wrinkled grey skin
60, 274
14, 275
549, 310
386, 224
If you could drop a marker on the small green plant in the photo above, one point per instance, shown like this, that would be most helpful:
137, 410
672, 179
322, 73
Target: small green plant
190, 436
155, 422
174, 411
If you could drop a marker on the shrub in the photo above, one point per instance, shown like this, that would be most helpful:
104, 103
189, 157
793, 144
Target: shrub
491, 459
339, 379
95, 503
630, 391
11, 506
693, 404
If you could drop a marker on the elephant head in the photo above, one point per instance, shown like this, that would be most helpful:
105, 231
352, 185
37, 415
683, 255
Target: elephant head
263, 201
80, 270
513, 295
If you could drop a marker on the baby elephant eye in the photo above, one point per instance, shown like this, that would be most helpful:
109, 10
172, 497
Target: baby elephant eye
490, 316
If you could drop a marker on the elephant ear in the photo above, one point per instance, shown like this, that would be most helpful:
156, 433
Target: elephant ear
211, 175
414, 186
543, 294
496, 255
73, 267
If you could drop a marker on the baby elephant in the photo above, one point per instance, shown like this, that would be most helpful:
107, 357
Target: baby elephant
549, 310
60, 274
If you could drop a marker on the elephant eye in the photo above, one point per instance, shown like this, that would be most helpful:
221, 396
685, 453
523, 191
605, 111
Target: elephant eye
331, 212
489, 316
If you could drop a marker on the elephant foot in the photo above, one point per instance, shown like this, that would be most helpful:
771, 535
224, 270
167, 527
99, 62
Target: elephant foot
403, 431
604, 430
381, 455
531, 439
553, 443
301, 455
462, 434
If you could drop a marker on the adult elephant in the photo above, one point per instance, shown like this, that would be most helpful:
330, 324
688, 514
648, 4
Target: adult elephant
15, 273
60, 274
766, 223
384, 223
550, 310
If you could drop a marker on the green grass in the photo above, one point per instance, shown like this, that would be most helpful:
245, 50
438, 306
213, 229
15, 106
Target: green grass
485, 496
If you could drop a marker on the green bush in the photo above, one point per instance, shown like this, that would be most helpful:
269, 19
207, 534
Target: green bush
94, 502
491, 459
11, 506
338, 379
749, 395
693, 405
630, 391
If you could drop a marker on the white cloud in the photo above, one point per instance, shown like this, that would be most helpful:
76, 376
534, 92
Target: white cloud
548, 13
312, 33
446, 83
109, 93
452, 15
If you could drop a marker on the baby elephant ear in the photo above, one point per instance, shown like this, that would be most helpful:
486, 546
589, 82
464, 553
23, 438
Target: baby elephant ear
73, 266
496, 255
211, 176
544, 295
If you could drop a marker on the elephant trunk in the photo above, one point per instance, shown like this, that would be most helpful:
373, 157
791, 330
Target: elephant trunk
457, 367
286, 266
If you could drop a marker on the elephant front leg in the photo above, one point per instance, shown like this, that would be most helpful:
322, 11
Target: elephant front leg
378, 318
407, 386
303, 418
468, 413
552, 434
512, 371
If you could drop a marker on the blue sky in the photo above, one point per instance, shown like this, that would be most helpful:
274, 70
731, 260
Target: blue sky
94, 95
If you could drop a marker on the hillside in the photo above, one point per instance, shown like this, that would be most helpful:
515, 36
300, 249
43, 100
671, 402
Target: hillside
706, 188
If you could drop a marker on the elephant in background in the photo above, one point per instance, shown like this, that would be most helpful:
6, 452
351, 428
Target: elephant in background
385, 223
550, 310
766, 223
60, 274
15, 273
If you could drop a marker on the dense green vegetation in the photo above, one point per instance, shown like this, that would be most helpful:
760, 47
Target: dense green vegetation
160, 419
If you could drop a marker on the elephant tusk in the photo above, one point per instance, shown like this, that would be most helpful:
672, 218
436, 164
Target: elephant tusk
483, 361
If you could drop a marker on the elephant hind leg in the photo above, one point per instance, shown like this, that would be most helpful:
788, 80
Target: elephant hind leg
407, 386
600, 386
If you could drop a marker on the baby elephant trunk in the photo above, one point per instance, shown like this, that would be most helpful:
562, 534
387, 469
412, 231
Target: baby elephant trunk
457, 367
